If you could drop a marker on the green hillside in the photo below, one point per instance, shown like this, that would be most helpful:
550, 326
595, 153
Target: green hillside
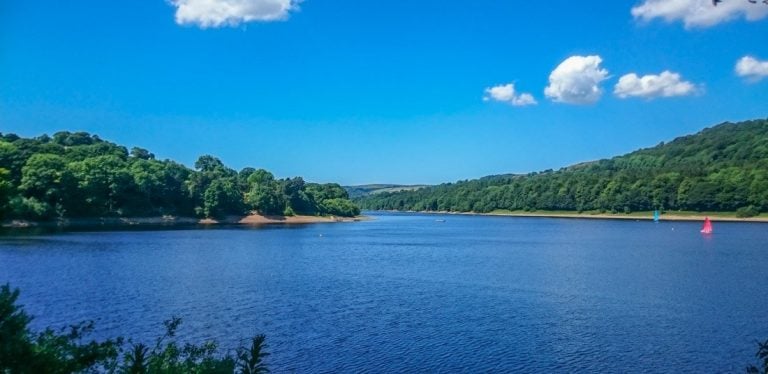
73, 175
370, 189
723, 168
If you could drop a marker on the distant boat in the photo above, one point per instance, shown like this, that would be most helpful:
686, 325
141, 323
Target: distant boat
707, 228
439, 220
656, 216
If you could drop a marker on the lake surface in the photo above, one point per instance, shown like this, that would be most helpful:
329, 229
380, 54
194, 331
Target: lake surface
405, 292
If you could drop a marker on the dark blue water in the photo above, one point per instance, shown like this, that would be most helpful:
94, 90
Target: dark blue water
407, 293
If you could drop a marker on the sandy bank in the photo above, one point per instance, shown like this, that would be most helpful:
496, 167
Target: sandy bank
257, 219
253, 219
670, 216
664, 217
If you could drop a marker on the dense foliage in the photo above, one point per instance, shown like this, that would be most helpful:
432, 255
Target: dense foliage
724, 168
369, 189
77, 174
24, 351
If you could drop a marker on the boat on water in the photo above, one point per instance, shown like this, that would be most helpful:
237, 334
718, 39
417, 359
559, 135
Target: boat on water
439, 220
707, 228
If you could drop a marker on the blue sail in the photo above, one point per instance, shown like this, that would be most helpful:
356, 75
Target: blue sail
655, 216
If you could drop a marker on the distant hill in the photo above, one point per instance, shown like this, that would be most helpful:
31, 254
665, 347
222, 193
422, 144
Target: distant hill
723, 168
369, 189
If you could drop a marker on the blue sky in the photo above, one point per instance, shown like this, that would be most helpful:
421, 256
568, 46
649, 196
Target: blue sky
382, 91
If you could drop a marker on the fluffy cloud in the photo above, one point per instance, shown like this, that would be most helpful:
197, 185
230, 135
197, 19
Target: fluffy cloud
577, 80
666, 84
218, 13
506, 93
699, 13
752, 68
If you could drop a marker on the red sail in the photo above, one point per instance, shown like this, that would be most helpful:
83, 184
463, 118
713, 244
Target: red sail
707, 228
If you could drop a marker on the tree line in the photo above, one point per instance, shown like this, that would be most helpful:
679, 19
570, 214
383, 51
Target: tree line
723, 168
71, 175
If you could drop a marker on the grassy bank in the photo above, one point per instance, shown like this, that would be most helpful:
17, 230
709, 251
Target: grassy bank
670, 216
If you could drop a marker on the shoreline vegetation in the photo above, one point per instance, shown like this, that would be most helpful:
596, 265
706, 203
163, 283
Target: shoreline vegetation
641, 216
72, 177
720, 171
71, 350
248, 220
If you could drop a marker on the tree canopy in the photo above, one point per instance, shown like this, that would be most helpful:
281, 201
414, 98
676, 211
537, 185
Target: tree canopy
723, 168
72, 175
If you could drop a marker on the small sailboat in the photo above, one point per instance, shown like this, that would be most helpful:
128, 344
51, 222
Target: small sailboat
707, 228
656, 216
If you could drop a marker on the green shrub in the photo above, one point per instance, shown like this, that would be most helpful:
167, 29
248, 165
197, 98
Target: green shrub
747, 211
67, 351
339, 207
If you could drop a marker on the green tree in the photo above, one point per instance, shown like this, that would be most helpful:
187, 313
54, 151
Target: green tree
251, 360
265, 198
242, 178
5, 191
149, 179
21, 351
142, 154
15, 345
70, 139
260, 176
209, 165
297, 199
102, 182
265, 194
222, 197
45, 177
12, 159
340, 207
209, 169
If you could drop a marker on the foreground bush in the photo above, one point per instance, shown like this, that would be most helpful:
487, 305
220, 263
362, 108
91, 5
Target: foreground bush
762, 354
68, 351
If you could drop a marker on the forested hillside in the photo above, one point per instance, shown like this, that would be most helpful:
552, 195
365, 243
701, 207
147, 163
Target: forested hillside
78, 174
723, 168
370, 189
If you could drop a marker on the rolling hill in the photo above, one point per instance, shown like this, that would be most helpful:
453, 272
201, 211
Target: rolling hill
721, 169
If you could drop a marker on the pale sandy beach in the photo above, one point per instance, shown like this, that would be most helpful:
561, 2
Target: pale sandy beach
257, 219
635, 216
253, 219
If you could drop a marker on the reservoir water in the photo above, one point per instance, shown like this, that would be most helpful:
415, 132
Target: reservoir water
408, 293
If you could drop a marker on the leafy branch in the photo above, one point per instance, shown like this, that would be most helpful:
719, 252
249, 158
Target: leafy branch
66, 351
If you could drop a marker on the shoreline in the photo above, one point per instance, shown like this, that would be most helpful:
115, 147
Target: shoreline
638, 216
174, 221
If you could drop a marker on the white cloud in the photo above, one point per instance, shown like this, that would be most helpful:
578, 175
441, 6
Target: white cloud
218, 13
752, 68
699, 13
577, 80
506, 93
666, 84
